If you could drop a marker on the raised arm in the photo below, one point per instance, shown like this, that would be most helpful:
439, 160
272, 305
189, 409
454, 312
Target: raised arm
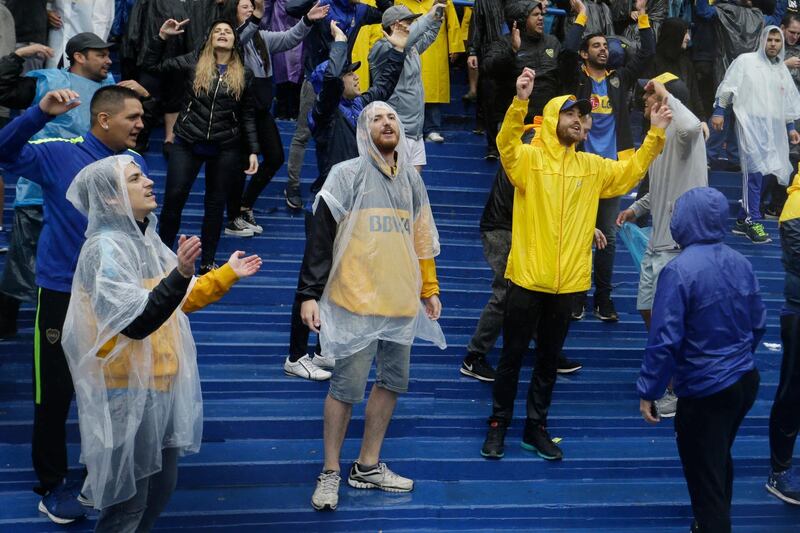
515, 156
619, 177
332, 87
18, 91
425, 30
154, 60
386, 80
647, 49
17, 155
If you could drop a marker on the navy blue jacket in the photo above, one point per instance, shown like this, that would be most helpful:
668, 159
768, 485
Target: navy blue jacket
333, 118
708, 317
53, 164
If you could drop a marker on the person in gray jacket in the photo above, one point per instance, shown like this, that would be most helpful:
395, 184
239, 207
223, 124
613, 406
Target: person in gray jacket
408, 98
680, 167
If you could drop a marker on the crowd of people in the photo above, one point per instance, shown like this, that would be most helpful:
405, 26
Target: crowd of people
555, 89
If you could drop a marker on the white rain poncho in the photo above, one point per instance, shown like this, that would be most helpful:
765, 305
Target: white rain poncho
765, 99
384, 227
135, 397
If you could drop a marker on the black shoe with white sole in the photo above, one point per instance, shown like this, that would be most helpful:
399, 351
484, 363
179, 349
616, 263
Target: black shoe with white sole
475, 366
567, 366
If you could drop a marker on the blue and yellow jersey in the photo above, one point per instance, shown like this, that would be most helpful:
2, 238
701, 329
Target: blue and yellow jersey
602, 139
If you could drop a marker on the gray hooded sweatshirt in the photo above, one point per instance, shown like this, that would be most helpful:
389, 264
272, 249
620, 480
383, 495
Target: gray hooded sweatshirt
408, 98
680, 166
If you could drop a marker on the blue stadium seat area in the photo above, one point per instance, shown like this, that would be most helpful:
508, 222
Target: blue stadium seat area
263, 430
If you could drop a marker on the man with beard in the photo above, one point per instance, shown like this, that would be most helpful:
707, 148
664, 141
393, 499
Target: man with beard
763, 96
585, 73
338, 103
555, 205
369, 263
116, 119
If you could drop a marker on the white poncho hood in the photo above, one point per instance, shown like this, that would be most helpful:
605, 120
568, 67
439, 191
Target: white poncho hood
134, 397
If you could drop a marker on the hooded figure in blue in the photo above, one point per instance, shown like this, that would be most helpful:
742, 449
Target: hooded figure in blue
708, 319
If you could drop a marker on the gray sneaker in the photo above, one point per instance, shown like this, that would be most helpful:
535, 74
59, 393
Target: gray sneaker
379, 477
667, 405
326, 495
306, 369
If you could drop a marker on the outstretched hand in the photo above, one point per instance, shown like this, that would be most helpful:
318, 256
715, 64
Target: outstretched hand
660, 115
525, 83
244, 266
628, 215
39, 50
188, 251
59, 102
318, 12
398, 38
171, 28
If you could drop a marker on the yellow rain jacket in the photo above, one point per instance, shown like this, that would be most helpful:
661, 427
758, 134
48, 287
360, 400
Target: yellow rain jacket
555, 199
436, 59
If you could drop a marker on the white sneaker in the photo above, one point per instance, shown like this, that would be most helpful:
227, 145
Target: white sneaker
238, 228
667, 405
379, 477
323, 361
435, 137
250, 221
326, 495
306, 369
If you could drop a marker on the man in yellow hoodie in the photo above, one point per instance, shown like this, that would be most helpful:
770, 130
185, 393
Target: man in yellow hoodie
555, 206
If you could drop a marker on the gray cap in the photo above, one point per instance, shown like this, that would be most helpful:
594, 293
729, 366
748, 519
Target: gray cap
395, 14
83, 41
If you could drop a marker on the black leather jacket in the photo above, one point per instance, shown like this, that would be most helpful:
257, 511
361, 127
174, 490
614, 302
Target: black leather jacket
213, 117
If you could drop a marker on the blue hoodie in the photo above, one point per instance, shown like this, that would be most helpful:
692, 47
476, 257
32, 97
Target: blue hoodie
708, 317
52, 164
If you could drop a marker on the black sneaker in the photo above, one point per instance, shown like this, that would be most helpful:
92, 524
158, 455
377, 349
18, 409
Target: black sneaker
250, 220
293, 199
567, 366
477, 367
739, 227
578, 308
239, 228
605, 311
772, 213
755, 232
493, 446
536, 439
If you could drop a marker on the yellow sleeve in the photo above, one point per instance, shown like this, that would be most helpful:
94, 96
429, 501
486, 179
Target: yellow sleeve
514, 155
643, 21
455, 44
582, 19
209, 288
465, 20
619, 177
430, 284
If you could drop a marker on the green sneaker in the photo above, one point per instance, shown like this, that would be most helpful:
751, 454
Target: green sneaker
756, 233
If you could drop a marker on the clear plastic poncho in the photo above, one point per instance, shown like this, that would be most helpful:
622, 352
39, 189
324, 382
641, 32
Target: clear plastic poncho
384, 227
134, 397
765, 99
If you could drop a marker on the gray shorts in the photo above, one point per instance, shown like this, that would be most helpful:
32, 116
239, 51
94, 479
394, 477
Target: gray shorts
652, 264
350, 374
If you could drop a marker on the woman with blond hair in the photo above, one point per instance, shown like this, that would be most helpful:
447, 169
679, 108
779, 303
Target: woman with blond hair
217, 118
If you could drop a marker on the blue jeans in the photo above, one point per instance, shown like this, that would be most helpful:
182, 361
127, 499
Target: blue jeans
433, 118
152, 495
